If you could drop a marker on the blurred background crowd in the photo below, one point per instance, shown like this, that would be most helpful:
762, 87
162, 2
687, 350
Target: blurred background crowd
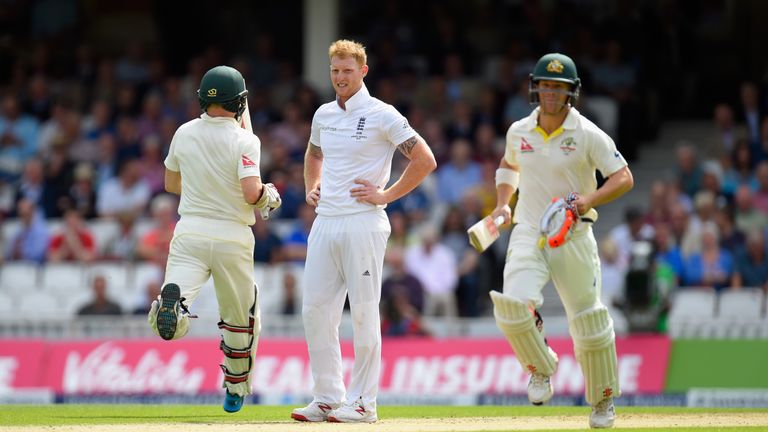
94, 91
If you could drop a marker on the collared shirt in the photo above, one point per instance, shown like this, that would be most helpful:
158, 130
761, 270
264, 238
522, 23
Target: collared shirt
358, 142
557, 164
213, 154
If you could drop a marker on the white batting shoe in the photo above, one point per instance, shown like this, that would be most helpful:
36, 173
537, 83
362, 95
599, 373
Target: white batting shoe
314, 412
540, 389
603, 414
355, 412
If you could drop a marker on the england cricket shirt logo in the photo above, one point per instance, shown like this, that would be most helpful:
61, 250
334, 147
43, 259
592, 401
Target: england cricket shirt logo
360, 128
568, 145
525, 147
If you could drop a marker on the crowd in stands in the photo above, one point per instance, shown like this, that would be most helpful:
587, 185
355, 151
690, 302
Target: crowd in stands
86, 143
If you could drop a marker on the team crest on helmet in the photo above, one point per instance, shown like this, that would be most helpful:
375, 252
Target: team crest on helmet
555, 66
212, 92
568, 145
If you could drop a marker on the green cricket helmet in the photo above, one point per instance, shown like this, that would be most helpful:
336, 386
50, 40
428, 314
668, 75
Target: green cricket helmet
554, 67
225, 86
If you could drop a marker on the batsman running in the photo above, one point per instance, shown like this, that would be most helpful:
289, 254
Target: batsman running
346, 168
213, 163
553, 154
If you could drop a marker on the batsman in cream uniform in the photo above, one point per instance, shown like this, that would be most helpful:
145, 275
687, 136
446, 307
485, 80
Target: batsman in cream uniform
347, 166
213, 163
552, 153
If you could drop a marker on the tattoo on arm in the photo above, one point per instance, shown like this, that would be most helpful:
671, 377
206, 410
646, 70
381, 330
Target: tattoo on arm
406, 147
315, 151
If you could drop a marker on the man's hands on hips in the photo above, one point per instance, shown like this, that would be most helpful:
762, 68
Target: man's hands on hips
504, 211
368, 192
313, 197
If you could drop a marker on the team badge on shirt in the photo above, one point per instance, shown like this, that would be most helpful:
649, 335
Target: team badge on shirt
568, 145
247, 162
360, 128
525, 147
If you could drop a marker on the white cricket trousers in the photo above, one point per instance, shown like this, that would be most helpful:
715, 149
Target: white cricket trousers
573, 267
345, 255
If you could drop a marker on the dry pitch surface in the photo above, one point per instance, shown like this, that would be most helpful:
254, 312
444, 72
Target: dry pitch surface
630, 419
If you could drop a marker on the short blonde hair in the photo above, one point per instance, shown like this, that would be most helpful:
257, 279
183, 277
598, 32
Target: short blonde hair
344, 48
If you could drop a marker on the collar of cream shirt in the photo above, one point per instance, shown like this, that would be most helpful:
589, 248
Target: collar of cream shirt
357, 100
570, 122
208, 118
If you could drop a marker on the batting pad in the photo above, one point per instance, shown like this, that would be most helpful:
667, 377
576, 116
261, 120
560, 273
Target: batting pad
516, 321
595, 345
239, 346
182, 324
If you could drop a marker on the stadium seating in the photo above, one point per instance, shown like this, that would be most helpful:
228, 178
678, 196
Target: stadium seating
692, 313
739, 313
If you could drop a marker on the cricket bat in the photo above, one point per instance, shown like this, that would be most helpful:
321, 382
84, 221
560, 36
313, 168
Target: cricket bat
484, 233
245, 123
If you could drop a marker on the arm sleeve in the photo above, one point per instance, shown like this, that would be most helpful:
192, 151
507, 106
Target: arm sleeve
396, 127
250, 158
604, 154
170, 161
510, 155
314, 135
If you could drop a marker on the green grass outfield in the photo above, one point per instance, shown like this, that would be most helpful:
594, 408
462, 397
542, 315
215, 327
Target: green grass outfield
59, 415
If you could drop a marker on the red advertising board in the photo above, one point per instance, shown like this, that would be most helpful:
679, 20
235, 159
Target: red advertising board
410, 366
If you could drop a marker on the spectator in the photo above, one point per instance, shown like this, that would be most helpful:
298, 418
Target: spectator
152, 167
31, 184
155, 244
613, 273
82, 195
290, 302
459, 175
122, 245
435, 266
713, 266
400, 278
726, 132
750, 109
747, 217
741, 172
399, 317
295, 245
633, 229
74, 243
752, 263
658, 210
688, 168
100, 304
150, 293
30, 243
454, 234
268, 248
760, 199
667, 252
59, 177
18, 138
126, 193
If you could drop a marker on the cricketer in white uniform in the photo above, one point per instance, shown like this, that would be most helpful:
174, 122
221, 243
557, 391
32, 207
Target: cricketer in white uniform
213, 163
347, 166
552, 153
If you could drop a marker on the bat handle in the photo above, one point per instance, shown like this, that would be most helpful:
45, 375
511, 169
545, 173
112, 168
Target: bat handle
499, 220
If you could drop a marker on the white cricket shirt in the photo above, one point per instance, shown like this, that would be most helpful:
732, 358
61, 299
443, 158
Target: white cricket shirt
213, 154
555, 165
358, 142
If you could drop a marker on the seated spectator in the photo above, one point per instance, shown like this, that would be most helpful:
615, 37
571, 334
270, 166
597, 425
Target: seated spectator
30, 243
688, 168
713, 266
730, 238
748, 218
295, 245
454, 234
400, 278
290, 304
400, 318
752, 263
760, 199
155, 244
633, 229
127, 192
658, 210
667, 252
74, 243
30, 185
434, 264
100, 304
152, 167
268, 247
740, 172
459, 175
82, 194
122, 245
613, 274
18, 137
